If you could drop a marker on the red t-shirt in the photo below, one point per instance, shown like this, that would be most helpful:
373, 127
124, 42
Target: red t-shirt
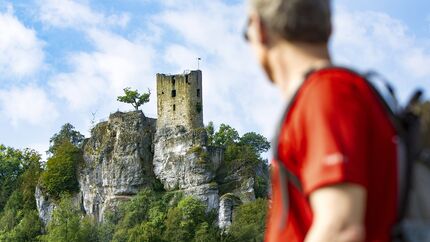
337, 131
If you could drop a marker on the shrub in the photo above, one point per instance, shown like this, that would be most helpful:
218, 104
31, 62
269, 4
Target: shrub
61, 171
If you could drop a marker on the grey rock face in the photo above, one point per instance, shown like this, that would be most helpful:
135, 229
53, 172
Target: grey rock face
127, 153
237, 181
226, 206
117, 161
182, 161
44, 205
207, 193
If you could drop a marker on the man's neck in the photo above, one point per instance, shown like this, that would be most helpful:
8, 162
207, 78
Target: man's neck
290, 64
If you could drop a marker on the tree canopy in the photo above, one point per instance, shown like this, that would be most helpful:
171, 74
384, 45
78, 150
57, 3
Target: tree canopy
61, 170
134, 98
241, 152
19, 173
17, 168
67, 133
249, 222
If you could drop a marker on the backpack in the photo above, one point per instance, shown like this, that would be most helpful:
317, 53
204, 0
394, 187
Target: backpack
413, 223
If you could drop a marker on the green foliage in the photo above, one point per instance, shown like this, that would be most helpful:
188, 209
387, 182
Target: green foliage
19, 172
249, 222
134, 98
248, 147
206, 233
67, 224
226, 135
19, 169
200, 152
261, 187
257, 141
106, 229
141, 218
160, 217
61, 170
242, 154
26, 226
210, 130
67, 134
188, 221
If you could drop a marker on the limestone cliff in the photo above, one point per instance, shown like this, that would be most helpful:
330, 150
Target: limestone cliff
129, 152
182, 161
117, 161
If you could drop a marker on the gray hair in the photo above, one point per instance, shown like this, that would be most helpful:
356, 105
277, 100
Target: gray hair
296, 20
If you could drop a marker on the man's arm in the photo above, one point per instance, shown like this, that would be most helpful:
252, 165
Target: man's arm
338, 212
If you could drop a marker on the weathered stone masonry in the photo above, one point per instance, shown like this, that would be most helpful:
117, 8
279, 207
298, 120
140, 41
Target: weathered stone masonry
179, 100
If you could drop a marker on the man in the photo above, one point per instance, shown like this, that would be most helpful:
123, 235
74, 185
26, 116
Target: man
334, 176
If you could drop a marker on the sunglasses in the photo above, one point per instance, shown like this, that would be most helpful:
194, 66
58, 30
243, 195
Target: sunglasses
245, 30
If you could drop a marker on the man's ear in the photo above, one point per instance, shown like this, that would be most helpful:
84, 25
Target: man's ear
261, 31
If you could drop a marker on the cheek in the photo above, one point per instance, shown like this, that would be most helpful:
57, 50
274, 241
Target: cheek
260, 53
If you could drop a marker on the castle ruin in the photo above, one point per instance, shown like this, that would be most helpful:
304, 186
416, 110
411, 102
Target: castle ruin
179, 100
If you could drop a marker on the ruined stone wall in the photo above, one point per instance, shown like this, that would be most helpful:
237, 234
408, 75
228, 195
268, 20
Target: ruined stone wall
179, 100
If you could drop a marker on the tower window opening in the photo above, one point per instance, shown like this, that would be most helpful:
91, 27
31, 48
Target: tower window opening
198, 92
173, 93
186, 78
174, 107
199, 107
173, 81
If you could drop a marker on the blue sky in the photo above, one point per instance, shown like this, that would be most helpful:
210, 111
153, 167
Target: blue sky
61, 61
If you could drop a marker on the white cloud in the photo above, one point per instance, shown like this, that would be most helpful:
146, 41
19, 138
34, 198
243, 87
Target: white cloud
21, 52
235, 91
377, 41
99, 76
70, 13
28, 104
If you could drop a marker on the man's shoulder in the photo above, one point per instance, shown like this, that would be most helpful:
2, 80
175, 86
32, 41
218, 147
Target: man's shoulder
335, 79
332, 87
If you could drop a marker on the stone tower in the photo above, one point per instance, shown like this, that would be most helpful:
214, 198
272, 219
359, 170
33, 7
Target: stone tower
179, 100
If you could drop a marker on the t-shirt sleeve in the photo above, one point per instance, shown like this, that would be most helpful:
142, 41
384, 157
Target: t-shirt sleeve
334, 136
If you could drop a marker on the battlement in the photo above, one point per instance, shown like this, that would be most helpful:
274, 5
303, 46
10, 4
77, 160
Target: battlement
179, 100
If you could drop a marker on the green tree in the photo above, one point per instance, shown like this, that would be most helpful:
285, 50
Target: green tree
61, 170
206, 233
141, 218
88, 230
257, 141
65, 222
249, 222
134, 98
184, 220
18, 170
226, 135
210, 130
68, 134
10, 171
26, 230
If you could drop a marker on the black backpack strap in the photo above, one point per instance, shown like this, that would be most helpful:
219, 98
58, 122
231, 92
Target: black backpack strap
407, 127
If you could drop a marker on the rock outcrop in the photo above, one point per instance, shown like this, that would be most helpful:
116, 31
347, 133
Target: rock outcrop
130, 152
226, 207
182, 161
117, 161
45, 206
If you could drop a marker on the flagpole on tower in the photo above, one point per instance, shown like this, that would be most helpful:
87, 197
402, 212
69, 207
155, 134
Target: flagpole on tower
198, 63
